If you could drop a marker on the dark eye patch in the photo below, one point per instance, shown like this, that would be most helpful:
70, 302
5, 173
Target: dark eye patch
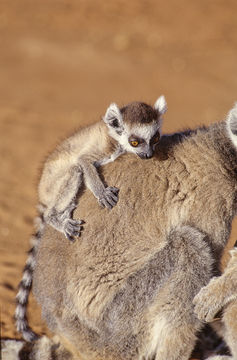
155, 138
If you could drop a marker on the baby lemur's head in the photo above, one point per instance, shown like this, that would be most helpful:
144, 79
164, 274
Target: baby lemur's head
136, 126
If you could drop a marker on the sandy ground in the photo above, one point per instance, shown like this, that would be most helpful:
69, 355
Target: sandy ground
62, 62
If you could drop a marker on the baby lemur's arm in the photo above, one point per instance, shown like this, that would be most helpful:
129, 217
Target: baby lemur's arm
107, 196
59, 210
219, 292
134, 128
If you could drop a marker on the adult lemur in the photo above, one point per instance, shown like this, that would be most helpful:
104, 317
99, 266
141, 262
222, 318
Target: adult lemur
134, 128
126, 289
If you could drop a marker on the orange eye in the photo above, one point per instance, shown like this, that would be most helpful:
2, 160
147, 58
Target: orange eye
134, 143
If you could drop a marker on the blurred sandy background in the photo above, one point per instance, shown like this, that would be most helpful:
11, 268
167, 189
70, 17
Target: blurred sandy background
61, 64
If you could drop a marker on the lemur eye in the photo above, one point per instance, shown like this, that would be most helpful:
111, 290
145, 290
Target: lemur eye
134, 143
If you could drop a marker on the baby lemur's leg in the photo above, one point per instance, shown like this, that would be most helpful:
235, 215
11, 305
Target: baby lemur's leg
59, 213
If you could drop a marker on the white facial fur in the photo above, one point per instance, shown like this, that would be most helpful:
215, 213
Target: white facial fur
144, 131
123, 131
231, 123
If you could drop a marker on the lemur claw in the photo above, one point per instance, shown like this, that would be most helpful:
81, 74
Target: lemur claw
72, 228
109, 198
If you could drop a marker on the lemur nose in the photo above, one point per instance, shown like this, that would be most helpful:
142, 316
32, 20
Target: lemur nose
145, 155
148, 156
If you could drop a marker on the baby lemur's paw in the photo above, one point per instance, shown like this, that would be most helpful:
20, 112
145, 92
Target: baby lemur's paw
72, 228
109, 197
209, 301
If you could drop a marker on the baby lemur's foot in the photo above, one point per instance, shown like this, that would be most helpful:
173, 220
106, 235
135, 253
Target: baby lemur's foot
109, 197
72, 228
63, 222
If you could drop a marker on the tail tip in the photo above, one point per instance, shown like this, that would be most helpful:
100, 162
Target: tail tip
29, 335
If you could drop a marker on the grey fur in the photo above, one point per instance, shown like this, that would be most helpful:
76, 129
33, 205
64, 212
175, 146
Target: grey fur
125, 291
74, 162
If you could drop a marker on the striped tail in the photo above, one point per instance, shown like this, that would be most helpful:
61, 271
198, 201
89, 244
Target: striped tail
25, 285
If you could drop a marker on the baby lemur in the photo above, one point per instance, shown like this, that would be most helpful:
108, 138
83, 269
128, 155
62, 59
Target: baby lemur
134, 128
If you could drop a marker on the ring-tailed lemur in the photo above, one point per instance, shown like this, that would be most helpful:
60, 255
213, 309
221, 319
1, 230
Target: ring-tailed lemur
134, 128
127, 293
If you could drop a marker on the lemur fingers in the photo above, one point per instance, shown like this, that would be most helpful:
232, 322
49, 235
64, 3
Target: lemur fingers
109, 197
72, 228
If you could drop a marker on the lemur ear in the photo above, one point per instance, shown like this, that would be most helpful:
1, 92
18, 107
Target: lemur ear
113, 116
161, 105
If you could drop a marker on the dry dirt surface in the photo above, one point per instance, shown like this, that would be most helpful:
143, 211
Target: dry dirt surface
63, 61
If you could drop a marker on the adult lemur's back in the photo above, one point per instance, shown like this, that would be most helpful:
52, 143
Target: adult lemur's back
126, 289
